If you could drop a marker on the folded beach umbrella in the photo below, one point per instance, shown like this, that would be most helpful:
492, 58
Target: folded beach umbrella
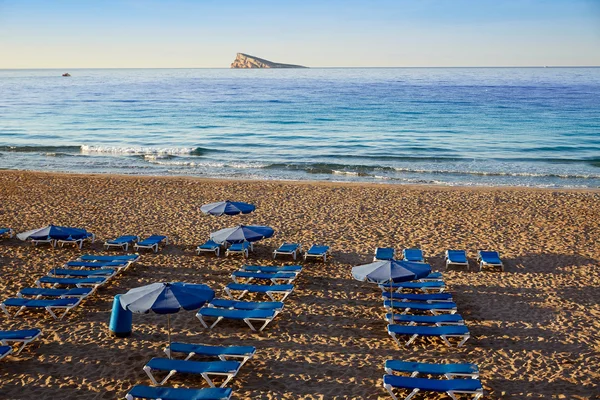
166, 298
388, 272
54, 232
227, 208
242, 233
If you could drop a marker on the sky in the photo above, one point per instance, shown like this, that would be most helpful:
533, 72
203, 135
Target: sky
315, 33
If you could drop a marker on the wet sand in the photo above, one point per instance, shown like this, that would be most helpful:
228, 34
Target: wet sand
534, 327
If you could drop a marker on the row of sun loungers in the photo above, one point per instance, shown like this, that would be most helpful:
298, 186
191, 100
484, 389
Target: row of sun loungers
290, 249
61, 242
230, 360
252, 312
151, 242
77, 280
430, 313
452, 257
404, 311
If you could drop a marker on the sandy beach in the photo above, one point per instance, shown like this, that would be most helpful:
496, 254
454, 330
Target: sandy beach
534, 327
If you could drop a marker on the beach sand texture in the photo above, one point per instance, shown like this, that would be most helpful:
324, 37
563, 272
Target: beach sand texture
534, 327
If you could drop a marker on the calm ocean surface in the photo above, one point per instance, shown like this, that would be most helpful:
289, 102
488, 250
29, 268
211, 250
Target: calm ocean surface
536, 127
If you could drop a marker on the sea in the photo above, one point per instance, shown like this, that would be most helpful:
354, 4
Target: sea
532, 127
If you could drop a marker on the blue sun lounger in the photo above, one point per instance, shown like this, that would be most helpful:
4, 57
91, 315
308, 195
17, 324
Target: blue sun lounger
65, 304
290, 249
246, 305
226, 369
77, 242
209, 247
167, 393
443, 332
317, 251
44, 240
413, 255
82, 273
50, 292
456, 257
7, 232
439, 320
268, 269
384, 254
435, 308
123, 242
489, 259
223, 353
451, 387
269, 290
277, 277
449, 371
239, 248
434, 276
21, 337
425, 287
151, 243
248, 316
427, 297
121, 265
93, 282
98, 258
5, 351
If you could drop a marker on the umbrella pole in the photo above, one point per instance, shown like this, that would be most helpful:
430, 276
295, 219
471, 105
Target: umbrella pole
169, 330
391, 297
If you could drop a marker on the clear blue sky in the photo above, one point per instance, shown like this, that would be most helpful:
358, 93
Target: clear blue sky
373, 33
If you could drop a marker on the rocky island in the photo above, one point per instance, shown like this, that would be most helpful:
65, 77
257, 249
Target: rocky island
247, 61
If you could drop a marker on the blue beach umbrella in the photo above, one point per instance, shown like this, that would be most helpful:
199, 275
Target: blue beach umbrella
166, 298
227, 208
54, 232
242, 233
388, 272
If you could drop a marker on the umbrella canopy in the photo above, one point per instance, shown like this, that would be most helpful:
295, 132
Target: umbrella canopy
166, 298
391, 271
387, 272
227, 208
54, 232
242, 233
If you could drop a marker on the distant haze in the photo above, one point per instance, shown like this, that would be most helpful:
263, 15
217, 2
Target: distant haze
344, 33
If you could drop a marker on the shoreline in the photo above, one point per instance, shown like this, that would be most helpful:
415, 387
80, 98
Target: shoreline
411, 186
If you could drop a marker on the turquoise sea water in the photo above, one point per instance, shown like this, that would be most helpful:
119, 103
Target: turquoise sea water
535, 127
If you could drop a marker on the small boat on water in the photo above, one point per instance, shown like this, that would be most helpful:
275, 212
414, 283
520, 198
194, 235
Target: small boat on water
66, 74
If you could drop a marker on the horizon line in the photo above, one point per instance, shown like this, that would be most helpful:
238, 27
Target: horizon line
338, 67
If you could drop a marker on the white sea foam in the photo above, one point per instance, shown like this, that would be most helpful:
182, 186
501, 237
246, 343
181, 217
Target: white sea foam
137, 150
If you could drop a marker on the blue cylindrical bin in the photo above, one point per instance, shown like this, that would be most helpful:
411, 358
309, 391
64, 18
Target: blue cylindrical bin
120, 319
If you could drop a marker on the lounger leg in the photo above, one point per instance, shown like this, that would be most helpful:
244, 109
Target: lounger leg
465, 338
445, 339
202, 320
247, 321
243, 294
3, 307
294, 255
412, 339
217, 252
149, 373
216, 322
208, 380
412, 394
390, 391
19, 311
393, 335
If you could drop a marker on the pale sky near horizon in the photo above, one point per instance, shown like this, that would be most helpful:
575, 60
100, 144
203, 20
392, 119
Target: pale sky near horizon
326, 33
